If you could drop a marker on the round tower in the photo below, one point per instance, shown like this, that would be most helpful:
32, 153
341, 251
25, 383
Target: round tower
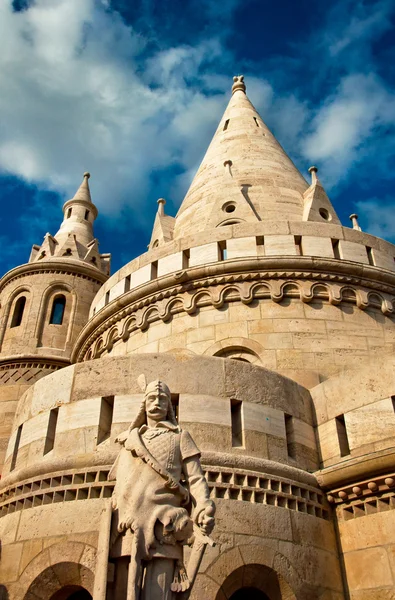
45, 303
256, 265
264, 316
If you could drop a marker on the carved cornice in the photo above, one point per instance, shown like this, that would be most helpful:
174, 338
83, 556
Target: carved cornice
54, 266
364, 497
8, 362
229, 281
32, 360
227, 483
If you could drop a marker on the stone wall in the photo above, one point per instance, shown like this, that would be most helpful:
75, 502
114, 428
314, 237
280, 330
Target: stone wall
266, 239
270, 510
35, 335
35, 347
355, 415
289, 299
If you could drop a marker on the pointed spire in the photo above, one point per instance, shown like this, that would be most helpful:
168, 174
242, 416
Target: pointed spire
317, 206
246, 165
75, 239
79, 214
83, 193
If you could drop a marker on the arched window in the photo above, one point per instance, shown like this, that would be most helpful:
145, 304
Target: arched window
57, 311
18, 311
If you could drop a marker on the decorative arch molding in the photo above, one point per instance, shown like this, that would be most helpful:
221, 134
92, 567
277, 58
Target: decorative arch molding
266, 568
217, 292
75, 268
54, 288
237, 348
22, 289
60, 565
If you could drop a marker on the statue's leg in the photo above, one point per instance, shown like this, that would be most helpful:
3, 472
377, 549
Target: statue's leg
158, 578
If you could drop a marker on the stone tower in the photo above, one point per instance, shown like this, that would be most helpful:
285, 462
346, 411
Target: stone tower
45, 303
273, 326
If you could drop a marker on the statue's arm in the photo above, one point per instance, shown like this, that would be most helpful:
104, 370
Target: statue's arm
204, 508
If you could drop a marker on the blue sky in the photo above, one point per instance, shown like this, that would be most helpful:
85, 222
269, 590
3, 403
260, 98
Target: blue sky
132, 90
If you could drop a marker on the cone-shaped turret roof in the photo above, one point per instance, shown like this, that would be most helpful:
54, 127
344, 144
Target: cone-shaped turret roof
245, 175
75, 239
79, 213
83, 193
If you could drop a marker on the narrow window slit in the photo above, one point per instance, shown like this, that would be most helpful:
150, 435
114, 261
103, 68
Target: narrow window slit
16, 447
336, 249
342, 436
290, 435
226, 125
86, 215
175, 401
256, 121
51, 430
105, 418
237, 422
127, 284
369, 252
298, 245
107, 298
222, 251
154, 270
185, 259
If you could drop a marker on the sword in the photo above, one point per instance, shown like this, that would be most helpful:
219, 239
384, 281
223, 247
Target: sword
198, 549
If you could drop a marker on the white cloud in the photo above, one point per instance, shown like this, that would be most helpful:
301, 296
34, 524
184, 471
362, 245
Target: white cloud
78, 93
341, 128
378, 217
73, 99
364, 22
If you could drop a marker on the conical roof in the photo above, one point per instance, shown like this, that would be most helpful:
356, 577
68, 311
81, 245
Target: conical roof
245, 175
75, 239
83, 193
79, 214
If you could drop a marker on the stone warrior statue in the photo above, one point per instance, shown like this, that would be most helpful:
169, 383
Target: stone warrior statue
162, 497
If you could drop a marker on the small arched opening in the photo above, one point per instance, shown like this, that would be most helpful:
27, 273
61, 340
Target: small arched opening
249, 592
255, 582
72, 592
67, 580
57, 311
18, 311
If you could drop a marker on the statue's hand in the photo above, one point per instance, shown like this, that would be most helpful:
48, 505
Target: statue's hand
206, 519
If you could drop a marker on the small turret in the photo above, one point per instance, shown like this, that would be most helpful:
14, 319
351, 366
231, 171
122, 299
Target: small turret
79, 215
162, 230
75, 239
45, 303
317, 206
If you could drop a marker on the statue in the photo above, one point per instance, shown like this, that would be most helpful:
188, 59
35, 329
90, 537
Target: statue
162, 498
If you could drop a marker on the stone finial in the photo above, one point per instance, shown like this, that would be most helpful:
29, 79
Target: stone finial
87, 175
161, 206
238, 84
354, 221
313, 172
